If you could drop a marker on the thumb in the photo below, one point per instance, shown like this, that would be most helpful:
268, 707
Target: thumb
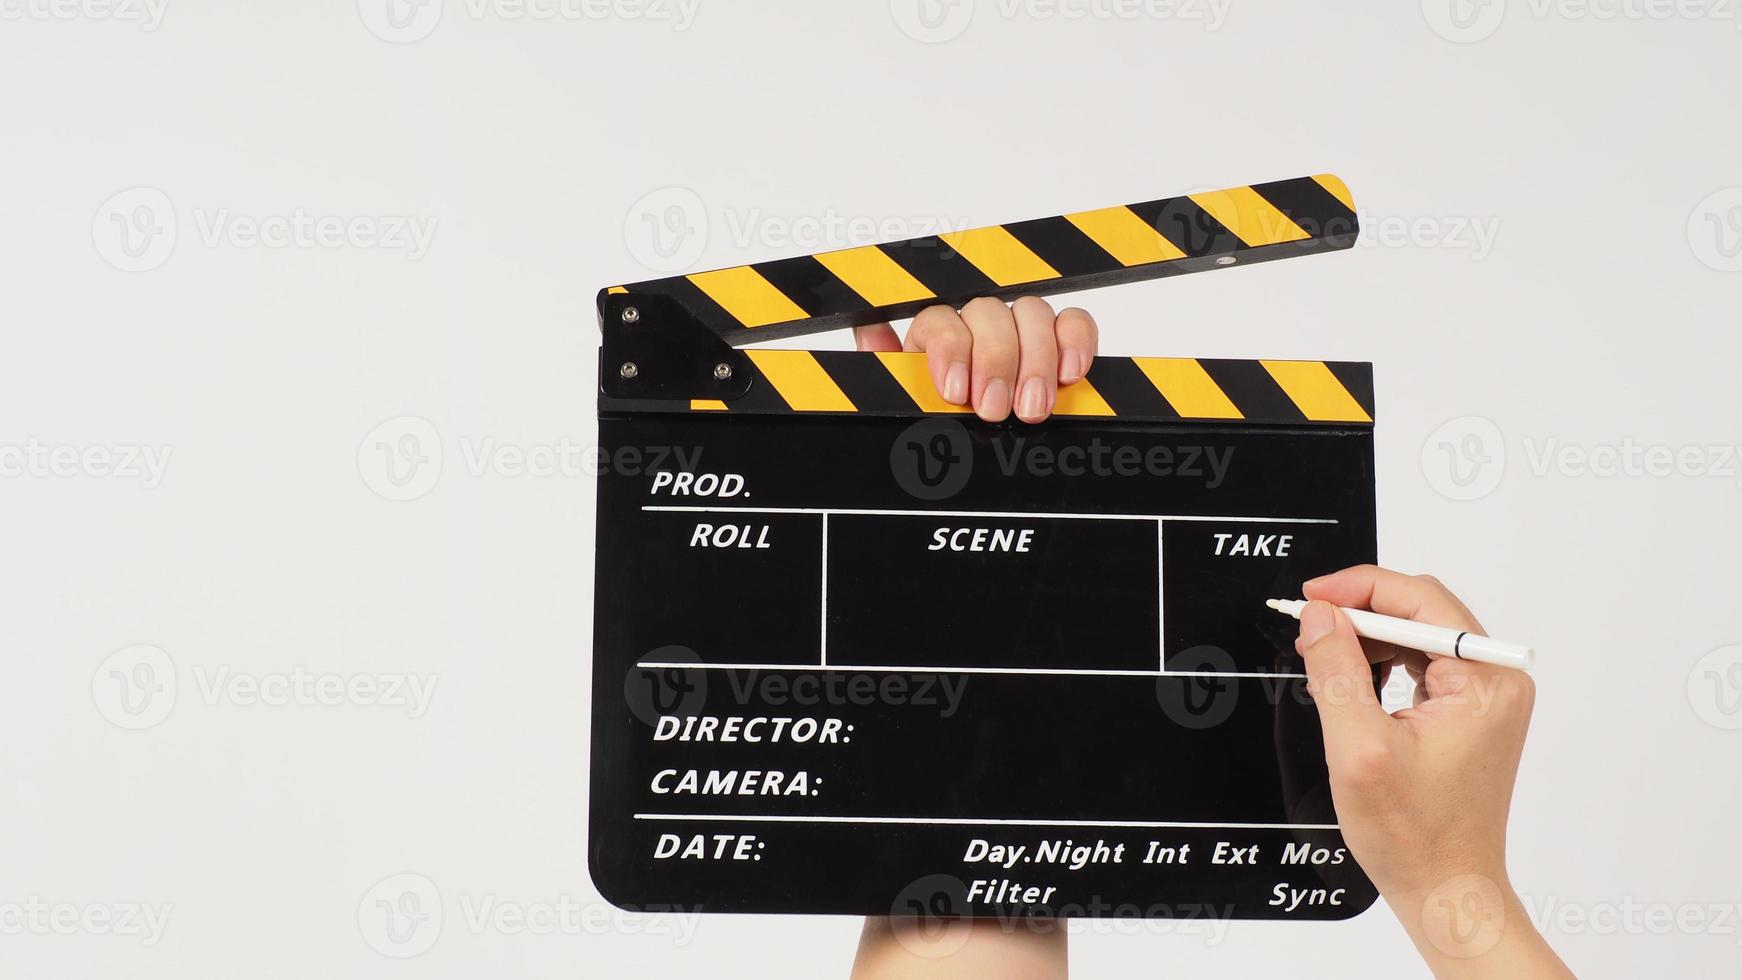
1338, 675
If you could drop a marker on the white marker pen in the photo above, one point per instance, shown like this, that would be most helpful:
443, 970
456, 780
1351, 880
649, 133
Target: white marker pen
1435, 641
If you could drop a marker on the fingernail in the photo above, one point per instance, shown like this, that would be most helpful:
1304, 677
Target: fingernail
1309, 583
1033, 400
956, 384
995, 401
1071, 366
1317, 621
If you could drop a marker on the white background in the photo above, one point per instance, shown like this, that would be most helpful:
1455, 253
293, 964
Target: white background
1552, 200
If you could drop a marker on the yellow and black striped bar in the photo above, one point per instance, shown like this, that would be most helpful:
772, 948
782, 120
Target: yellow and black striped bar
1084, 250
798, 382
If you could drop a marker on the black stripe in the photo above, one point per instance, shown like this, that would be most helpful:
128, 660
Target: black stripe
711, 314
1357, 376
762, 397
866, 382
1306, 202
813, 287
944, 271
1063, 246
1191, 228
1253, 391
1127, 390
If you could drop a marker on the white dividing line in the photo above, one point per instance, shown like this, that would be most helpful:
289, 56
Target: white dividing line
823, 640
978, 821
1160, 595
846, 512
893, 669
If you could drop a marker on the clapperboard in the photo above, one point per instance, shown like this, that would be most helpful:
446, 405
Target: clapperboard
856, 651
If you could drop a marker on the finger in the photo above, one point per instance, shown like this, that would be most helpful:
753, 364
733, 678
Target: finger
1038, 358
876, 336
940, 332
1381, 652
994, 358
1078, 340
1339, 678
1416, 597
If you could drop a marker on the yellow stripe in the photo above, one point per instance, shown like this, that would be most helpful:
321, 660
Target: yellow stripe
874, 275
1312, 386
1081, 398
801, 380
750, 298
707, 405
999, 255
616, 289
910, 371
1187, 387
1125, 236
1338, 189
1248, 215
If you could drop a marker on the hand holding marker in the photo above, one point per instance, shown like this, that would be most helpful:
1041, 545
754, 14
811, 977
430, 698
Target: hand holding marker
1435, 641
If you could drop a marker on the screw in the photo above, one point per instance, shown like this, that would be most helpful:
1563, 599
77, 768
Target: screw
723, 371
631, 314
628, 371
1227, 260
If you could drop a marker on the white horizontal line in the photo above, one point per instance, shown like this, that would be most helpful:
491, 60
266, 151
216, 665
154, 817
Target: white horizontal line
978, 821
895, 669
849, 512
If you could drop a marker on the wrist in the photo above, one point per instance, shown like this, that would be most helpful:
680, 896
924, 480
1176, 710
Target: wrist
1474, 925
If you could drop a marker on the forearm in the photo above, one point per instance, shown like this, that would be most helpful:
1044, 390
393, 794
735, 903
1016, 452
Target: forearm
960, 949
